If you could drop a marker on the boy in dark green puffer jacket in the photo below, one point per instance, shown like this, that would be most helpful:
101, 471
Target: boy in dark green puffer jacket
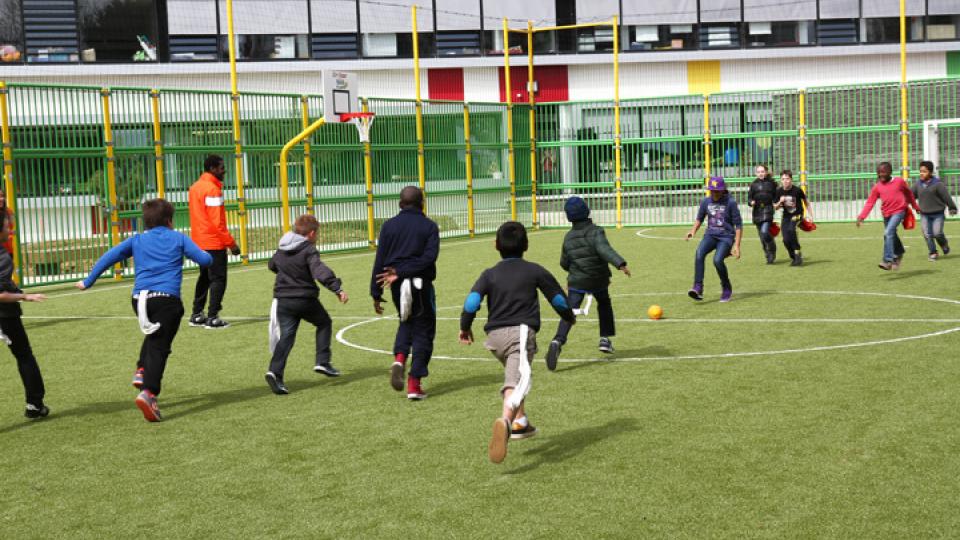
586, 254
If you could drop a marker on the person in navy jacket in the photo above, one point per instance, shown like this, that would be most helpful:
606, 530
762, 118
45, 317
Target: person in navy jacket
158, 255
724, 231
406, 262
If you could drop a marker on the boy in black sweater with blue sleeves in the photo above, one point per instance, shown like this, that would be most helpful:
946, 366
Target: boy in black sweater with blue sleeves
513, 319
406, 262
298, 267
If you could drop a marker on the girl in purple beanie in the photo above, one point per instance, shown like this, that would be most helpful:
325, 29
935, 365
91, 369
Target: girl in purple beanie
724, 230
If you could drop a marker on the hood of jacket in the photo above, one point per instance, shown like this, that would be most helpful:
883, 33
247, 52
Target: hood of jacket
932, 182
292, 242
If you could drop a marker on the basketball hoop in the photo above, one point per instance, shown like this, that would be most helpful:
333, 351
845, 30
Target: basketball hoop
363, 121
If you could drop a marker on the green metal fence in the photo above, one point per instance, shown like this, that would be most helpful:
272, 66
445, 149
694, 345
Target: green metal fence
73, 200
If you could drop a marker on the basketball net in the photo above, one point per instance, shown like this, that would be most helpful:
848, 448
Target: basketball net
363, 121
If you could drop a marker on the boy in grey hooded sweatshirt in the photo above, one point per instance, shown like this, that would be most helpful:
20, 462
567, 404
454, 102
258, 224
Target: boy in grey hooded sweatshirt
933, 197
298, 267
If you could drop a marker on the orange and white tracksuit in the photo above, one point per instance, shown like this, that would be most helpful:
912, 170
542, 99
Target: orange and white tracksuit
208, 216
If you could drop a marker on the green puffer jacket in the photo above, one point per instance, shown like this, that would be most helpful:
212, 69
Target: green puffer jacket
586, 254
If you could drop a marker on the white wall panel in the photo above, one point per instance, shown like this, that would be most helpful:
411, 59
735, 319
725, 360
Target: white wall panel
458, 14
839, 9
597, 10
891, 8
333, 16
595, 81
275, 17
943, 7
192, 16
394, 16
803, 72
481, 84
659, 11
541, 12
393, 83
720, 11
778, 10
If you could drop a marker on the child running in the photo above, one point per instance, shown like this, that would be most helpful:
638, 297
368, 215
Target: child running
513, 319
298, 267
158, 254
724, 231
586, 254
793, 201
13, 333
761, 197
933, 198
895, 197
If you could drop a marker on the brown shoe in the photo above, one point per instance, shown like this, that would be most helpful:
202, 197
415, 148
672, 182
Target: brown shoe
396, 376
886, 266
498, 441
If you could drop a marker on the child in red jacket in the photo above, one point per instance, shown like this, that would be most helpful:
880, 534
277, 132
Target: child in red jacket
896, 198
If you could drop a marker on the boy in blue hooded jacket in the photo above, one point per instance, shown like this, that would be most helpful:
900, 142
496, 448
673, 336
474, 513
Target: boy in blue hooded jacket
724, 231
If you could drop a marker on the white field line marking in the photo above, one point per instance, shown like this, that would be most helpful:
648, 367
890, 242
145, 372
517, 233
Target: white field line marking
340, 335
260, 265
642, 234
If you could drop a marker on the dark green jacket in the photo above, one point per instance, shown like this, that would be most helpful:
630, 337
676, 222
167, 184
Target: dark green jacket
586, 254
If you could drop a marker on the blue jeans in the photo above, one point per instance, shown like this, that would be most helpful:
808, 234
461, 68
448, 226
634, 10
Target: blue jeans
769, 244
722, 246
932, 225
892, 246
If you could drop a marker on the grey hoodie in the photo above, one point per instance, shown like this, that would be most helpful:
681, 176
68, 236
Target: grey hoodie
298, 267
933, 196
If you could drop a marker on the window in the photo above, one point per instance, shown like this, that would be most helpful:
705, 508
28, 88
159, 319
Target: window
780, 33
399, 45
118, 30
11, 32
267, 47
714, 36
458, 43
887, 29
944, 20
662, 37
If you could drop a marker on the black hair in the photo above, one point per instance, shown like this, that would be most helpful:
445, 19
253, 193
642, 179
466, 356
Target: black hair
157, 213
787, 172
512, 239
928, 165
411, 196
213, 161
887, 165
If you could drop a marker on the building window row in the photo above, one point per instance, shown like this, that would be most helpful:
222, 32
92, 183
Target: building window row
90, 31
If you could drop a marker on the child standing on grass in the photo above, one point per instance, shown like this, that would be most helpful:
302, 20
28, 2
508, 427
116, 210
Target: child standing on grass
761, 197
896, 199
13, 332
586, 254
724, 231
512, 323
793, 201
158, 254
933, 198
298, 267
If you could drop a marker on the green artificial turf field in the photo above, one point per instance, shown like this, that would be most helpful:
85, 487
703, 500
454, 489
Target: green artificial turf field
822, 401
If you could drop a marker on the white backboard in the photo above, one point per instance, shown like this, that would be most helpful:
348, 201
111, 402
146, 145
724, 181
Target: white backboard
339, 94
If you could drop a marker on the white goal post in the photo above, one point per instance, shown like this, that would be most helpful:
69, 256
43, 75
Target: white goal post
931, 139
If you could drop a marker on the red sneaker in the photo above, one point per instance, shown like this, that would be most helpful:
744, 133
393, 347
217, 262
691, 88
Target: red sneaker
414, 391
147, 403
138, 378
397, 371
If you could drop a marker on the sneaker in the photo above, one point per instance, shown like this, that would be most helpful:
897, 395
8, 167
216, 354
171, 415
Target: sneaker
605, 345
771, 258
276, 384
933, 257
327, 369
727, 293
147, 403
396, 376
498, 440
553, 354
33, 412
414, 390
946, 250
138, 378
886, 265
895, 265
797, 261
215, 323
522, 432
696, 292
197, 319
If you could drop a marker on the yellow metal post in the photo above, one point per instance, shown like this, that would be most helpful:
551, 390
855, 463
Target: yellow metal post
237, 148
531, 100
468, 158
904, 112
421, 163
617, 139
508, 90
706, 140
158, 144
802, 97
368, 178
8, 185
284, 174
307, 160
111, 177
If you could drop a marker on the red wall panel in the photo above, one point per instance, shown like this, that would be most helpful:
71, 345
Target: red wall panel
551, 81
445, 83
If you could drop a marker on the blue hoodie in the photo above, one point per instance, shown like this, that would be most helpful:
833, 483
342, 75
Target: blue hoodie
723, 216
158, 257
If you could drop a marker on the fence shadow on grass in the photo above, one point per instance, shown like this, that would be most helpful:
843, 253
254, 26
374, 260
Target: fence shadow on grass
569, 444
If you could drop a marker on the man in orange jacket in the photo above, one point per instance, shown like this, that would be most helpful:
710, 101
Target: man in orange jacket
208, 229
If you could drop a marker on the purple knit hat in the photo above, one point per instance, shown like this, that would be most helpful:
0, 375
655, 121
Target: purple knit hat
716, 183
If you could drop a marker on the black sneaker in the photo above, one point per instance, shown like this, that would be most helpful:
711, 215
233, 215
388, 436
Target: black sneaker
197, 319
946, 250
522, 432
33, 412
327, 369
553, 354
771, 258
797, 261
215, 323
605, 345
276, 385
